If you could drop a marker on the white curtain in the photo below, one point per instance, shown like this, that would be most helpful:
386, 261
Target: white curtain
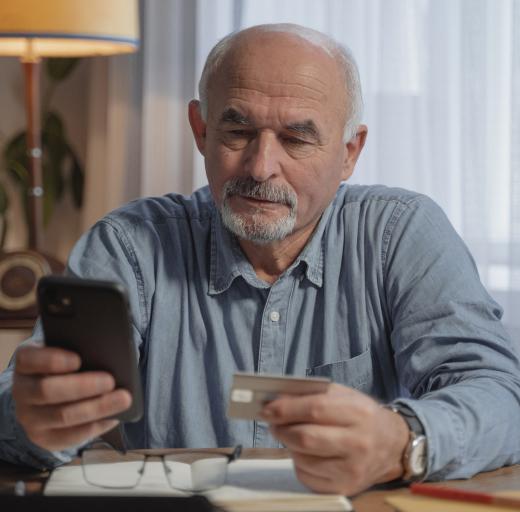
441, 82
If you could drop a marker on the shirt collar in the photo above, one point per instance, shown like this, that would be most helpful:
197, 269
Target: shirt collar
313, 253
227, 261
223, 265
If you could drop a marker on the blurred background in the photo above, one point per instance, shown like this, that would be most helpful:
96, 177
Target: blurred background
441, 83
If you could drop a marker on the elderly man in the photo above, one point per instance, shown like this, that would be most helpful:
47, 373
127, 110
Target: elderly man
279, 268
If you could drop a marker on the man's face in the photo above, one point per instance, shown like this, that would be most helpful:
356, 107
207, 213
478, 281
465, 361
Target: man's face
272, 141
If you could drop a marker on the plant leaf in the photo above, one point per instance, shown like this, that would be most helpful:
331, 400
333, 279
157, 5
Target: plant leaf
55, 150
16, 150
52, 127
20, 176
4, 205
60, 68
77, 181
49, 196
58, 157
19, 173
5, 228
4, 200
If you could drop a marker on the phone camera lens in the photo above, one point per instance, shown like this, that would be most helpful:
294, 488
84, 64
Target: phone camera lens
60, 305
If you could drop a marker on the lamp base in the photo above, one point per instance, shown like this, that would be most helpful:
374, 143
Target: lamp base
19, 275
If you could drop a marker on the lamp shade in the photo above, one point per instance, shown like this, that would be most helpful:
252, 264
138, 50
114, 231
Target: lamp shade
67, 28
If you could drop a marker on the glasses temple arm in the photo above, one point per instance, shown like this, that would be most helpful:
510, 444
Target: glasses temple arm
237, 452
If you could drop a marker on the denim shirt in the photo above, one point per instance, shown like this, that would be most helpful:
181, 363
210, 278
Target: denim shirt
384, 298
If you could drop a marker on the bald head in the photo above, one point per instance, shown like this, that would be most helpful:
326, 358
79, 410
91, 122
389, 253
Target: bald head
299, 41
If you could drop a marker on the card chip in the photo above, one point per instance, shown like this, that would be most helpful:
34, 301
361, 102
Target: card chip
242, 395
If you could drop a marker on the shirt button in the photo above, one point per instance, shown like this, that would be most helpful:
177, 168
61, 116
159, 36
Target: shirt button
274, 316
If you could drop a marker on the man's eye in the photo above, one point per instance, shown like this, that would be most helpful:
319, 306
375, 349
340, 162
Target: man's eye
239, 133
237, 139
293, 141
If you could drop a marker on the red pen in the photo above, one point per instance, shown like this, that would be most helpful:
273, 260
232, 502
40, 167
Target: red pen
452, 493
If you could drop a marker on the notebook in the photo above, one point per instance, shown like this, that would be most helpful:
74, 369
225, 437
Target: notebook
253, 485
414, 503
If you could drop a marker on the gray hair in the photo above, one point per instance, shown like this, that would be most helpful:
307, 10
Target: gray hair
336, 50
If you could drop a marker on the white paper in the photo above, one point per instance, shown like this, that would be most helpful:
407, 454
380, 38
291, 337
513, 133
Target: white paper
252, 480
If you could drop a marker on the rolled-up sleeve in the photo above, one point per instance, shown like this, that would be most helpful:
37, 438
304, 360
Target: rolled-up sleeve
15, 446
452, 353
101, 253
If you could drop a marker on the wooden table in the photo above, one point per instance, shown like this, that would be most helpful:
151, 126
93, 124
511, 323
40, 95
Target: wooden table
503, 479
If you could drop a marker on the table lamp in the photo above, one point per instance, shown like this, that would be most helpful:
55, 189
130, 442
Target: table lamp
32, 30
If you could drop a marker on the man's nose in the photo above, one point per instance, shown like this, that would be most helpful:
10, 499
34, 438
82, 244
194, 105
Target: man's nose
263, 157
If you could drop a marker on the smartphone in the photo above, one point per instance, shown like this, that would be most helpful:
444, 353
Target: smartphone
93, 318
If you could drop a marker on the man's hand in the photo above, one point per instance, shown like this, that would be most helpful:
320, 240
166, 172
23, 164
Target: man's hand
59, 408
341, 441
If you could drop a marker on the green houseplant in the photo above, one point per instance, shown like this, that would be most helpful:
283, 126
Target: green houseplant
62, 170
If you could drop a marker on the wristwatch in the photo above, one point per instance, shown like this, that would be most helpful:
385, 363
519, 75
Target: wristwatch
415, 459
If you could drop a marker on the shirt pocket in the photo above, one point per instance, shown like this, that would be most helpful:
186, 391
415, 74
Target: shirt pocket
356, 372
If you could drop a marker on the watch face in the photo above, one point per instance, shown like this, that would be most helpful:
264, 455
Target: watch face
19, 274
417, 458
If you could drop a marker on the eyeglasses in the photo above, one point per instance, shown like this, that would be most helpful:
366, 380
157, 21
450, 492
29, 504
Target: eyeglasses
105, 466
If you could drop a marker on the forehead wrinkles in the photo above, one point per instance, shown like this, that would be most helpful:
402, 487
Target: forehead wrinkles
276, 98
300, 84
279, 78
273, 94
266, 111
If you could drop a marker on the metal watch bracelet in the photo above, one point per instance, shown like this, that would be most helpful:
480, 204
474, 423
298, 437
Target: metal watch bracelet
415, 454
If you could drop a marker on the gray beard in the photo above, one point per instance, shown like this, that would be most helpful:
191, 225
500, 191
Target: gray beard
254, 228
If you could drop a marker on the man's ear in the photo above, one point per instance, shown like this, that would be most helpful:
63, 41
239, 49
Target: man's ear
198, 125
352, 151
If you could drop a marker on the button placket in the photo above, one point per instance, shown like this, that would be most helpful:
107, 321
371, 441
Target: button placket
272, 347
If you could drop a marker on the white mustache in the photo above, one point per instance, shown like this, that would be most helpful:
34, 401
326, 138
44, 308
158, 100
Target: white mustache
247, 187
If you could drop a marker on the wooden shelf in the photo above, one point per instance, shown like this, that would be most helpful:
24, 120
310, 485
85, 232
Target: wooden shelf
17, 323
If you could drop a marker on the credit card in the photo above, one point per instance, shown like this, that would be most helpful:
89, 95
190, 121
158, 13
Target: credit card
251, 391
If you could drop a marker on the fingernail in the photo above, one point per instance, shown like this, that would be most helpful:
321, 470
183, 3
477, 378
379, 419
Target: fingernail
72, 360
104, 383
267, 413
122, 398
